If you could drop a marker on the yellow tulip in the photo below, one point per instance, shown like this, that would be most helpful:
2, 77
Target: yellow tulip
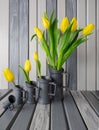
64, 24
38, 32
75, 24
8, 74
27, 65
36, 57
46, 23
88, 29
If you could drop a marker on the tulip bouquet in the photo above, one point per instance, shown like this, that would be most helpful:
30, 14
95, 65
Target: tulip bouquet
26, 70
61, 41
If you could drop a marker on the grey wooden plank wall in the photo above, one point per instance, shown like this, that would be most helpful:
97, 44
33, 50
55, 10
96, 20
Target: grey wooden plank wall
25, 14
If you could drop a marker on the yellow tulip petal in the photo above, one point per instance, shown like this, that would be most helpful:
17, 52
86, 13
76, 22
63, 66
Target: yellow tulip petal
27, 65
38, 32
8, 74
88, 29
75, 24
46, 23
64, 24
36, 57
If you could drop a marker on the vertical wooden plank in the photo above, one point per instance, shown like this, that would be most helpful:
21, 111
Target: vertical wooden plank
61, 14
72, 61
81, 50
32, 45
41, 118
50, 6
23, 35
13, 38
42, 57
4, 28
91, 47
97, 44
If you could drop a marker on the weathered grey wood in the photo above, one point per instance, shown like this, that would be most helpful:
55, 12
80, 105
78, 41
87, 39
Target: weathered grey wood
51, 5
92, 101
96, 94
4, 99
24, 118
23, 35
41, 118
8, 118
58, 120
71, 10
88, 114
4, 93
73, 116
14, 38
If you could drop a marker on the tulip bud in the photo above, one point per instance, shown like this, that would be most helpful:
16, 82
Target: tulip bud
36, 57
27, 65
64, 24
75, 24
88, 29
8, 74
38, 32
46, 23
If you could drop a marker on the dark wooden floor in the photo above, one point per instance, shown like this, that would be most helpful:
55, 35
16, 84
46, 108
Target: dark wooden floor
78, 111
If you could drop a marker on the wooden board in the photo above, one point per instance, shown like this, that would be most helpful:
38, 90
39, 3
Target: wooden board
32, 44
4, 93
92, 101
8, 118
24, 118
71, 11
97, 45
88, 114
96, 94
41, 117
23, 36
58, 120
14, 38
73, 116
81, 50
4, 40
91, 77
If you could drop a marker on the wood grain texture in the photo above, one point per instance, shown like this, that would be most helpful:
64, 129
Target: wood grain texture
4, 40
32, 44
41, 117
23, 36
71, 9
89, 116
42, 56
81, 50
8, 118
14, 38
24, 118
4, 93
58, 120
97, 44
92, 101
91, 62
96, 94
73, 116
